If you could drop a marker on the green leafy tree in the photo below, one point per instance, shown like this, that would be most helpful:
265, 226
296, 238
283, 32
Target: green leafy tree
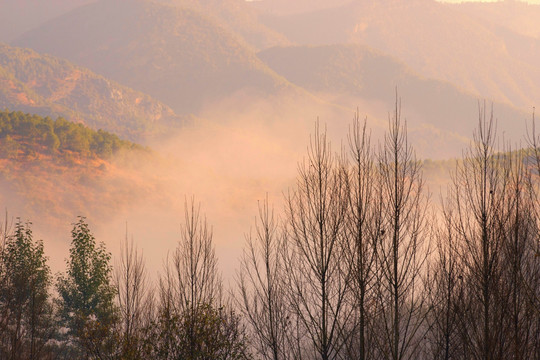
26, 314
9, 148
51, 141
87, 295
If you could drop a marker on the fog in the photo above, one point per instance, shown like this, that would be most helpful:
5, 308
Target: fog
239, 151
250, 133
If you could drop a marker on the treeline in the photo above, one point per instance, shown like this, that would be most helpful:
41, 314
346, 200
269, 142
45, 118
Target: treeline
27, 133
359, 265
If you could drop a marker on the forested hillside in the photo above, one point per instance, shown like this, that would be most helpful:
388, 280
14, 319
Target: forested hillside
346, 73
435, 39
24, 134
239, 17
56, 167
50, 86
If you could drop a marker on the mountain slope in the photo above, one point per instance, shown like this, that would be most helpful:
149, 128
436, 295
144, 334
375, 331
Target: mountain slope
239, 17
356, 72
177, 55
287, 7
516, 16
19, 16
54, 87
434, 39
56, 169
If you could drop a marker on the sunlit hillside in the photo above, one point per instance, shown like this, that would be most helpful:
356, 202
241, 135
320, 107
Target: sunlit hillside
53, 87
55, 168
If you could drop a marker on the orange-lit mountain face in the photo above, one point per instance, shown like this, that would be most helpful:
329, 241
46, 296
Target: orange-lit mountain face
53, 169
192, 55
50, 86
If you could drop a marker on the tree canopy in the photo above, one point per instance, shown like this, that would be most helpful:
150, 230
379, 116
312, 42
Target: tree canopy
20, 131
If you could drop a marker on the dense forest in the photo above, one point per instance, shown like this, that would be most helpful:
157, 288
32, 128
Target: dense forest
23, 134
361, 263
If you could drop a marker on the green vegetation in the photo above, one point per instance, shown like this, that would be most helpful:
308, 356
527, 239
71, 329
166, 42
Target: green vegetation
49, 86
32, 134
86, 318
26, 312
87, 294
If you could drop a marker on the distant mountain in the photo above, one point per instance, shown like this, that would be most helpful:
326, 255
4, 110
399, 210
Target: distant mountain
50, 86
518, 16
436, 40
239, 17
287, 7
352, 72
515, 23
19, 16
178, 55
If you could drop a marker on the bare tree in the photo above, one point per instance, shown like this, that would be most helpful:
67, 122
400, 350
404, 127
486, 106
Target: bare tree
443, 289
478, 196
521, 271
195, 263
261, 287
362, 231
193, 321
401, 254
317, 276
533, 166
531, 281
134, 299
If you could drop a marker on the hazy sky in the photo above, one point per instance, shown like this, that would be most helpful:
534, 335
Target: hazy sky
458, 1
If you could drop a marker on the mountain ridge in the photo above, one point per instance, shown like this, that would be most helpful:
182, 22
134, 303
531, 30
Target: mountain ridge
359, 72
176, 55
51, 86
435, 39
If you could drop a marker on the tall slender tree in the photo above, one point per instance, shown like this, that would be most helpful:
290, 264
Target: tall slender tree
520, 270
317, 276
443, 289
134, 300
401, 250
194, 322
363, 223
262, 295
479, 191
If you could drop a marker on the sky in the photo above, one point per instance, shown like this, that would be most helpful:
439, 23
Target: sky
458, 1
